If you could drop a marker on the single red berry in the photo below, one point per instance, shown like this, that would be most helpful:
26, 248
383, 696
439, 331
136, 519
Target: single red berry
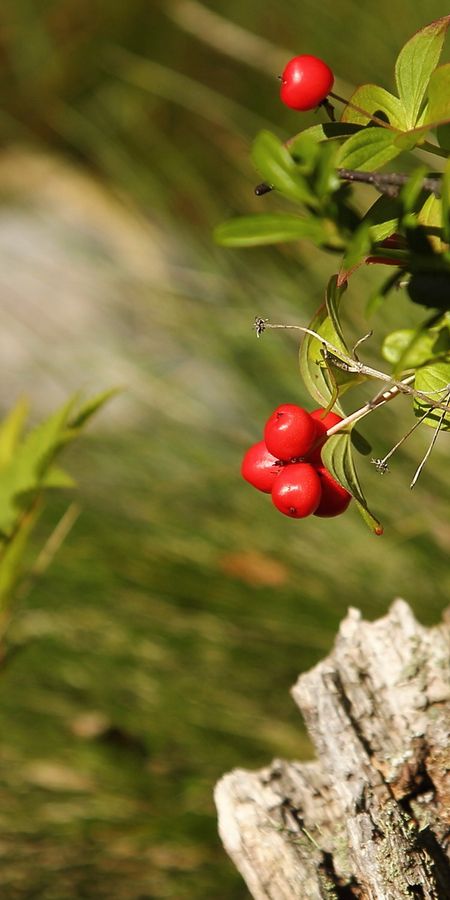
305, 82
260, 468
335, 498
323, 423
297, 491
289, 432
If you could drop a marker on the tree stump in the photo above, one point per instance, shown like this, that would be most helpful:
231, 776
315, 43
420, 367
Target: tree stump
370, 819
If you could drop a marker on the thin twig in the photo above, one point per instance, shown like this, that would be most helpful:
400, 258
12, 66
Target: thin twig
385, 182
340, 359
433, 441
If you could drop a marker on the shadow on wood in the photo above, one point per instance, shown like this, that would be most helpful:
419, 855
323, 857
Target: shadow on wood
370, 819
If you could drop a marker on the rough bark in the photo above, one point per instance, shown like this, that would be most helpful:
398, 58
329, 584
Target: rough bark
370, 819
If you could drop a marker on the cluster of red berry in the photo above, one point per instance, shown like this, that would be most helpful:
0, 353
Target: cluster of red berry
288, 463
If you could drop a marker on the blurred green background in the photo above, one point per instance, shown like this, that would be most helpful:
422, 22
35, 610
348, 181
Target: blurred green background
158, 648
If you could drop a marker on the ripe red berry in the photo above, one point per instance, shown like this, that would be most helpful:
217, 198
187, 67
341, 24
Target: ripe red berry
305, 82
289, 432
260, 468
335, 498
297, 491
323, 423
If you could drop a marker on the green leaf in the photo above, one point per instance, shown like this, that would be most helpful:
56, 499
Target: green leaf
415, 64
254, 231
320, 378
326, 131
368, 149
338, 459
408, 348
372, 99
10, 431
438, 107
28, 466
383, 217
443, 136
275, 164
430, 379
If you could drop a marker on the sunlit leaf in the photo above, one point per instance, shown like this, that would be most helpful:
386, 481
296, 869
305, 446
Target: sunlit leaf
434, 380
272, 228
374, 99
415, 64
408, 348
338, 459
368, 149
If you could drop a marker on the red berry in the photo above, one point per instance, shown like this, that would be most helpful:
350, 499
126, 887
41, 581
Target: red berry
260, 468
289, 432
335, 498
323, 423
297, 491
305, 82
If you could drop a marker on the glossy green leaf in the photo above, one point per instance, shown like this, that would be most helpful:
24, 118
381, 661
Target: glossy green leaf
368, 150
372, 99
415, 64
254, 231
434, 380
338, 459
276, 165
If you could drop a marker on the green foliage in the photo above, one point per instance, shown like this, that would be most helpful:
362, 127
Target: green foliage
27, 470
311, 171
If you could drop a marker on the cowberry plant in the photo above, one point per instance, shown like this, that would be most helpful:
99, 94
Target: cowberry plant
406, 227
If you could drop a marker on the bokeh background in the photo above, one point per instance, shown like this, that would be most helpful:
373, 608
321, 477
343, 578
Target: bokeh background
157, 650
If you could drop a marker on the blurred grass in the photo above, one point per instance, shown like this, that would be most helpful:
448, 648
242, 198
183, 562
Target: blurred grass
158, 650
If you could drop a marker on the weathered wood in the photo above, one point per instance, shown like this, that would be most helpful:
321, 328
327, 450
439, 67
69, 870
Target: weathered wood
371, 818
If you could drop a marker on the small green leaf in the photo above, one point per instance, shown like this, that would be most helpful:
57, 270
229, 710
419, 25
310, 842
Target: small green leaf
374, 99
275, 164
415, 64
254, 231
409, 348
432, 379
338, 459
368, 149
